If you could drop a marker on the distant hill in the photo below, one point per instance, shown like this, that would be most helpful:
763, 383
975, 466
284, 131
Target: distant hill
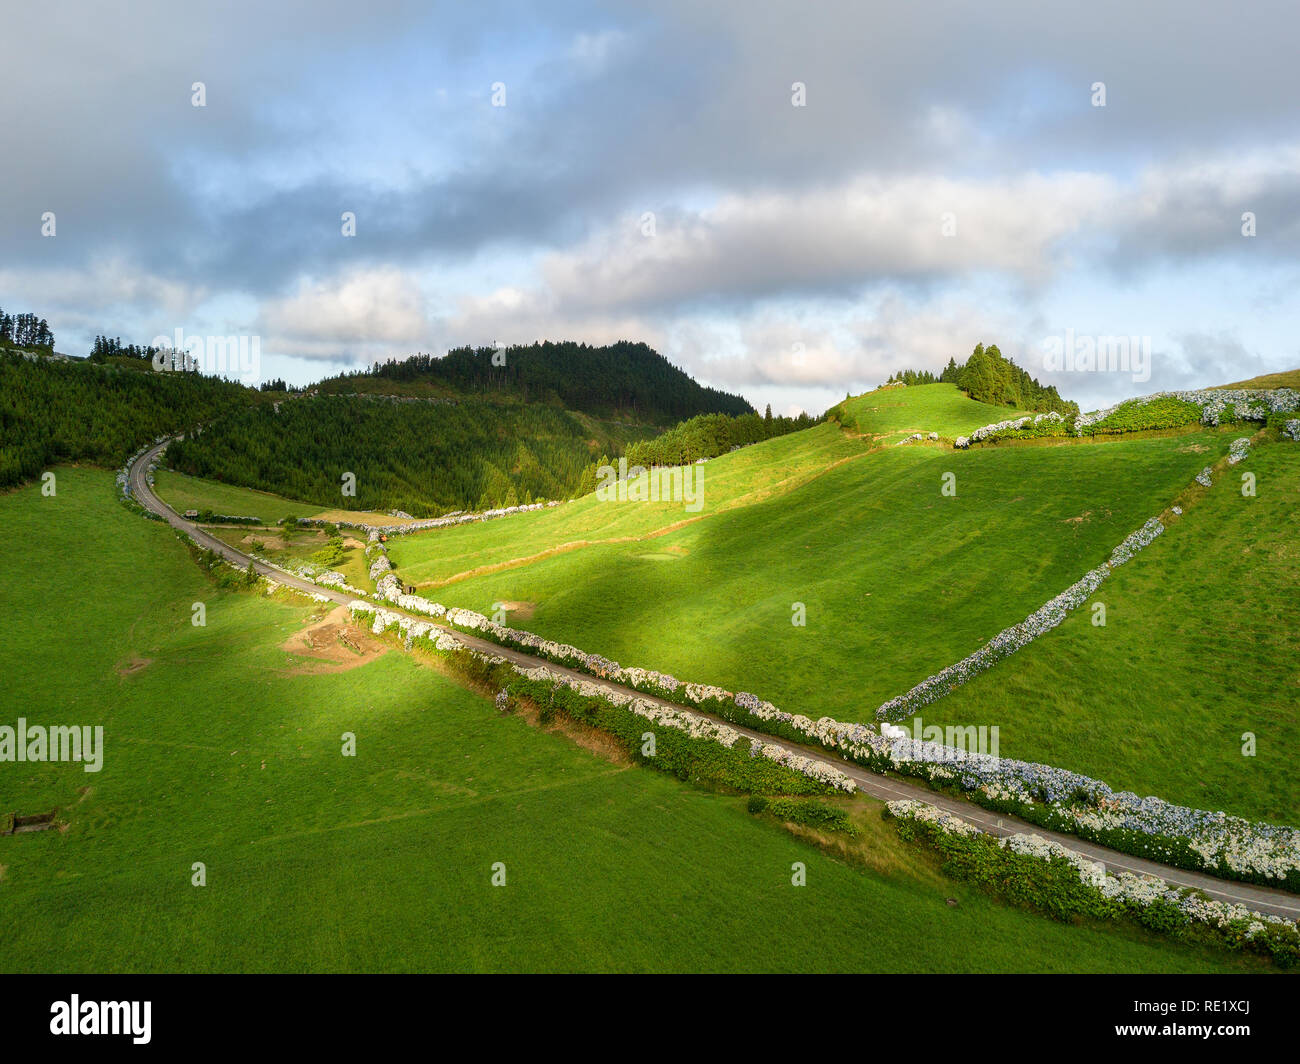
425, 457
1288, 379
627, 380
988, 377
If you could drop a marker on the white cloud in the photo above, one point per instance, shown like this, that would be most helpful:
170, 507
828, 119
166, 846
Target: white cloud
364, 311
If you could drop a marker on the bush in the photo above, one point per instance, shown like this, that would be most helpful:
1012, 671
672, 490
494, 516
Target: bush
810, 813
1163, 413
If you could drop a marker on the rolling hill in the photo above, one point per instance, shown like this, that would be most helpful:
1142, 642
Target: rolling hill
898, 581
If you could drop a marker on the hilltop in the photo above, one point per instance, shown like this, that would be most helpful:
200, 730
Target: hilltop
621, 380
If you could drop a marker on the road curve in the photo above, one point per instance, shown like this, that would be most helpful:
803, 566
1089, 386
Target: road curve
886, 788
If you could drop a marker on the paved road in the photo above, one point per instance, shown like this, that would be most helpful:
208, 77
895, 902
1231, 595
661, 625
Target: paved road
887, 788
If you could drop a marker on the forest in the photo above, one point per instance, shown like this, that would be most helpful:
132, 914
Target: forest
988, 377
65, 411
710, 435
25, 331
425, 457
617, 380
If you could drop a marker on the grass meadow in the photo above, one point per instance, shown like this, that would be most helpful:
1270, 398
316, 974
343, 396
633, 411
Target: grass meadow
941, 408
223, 748
1199, 647
896, 580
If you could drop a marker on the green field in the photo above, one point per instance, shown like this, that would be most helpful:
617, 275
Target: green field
182, 492
1199, 647
941, 408
741, 478
224, 749
897, 581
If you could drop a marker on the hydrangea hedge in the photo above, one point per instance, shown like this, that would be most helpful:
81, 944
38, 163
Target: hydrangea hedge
1161, 410
1030, 870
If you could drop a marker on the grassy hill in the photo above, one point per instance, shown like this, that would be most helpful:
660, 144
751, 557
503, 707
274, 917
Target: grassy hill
1200, 647
899, 581
223, 747
1288, 379
901, 411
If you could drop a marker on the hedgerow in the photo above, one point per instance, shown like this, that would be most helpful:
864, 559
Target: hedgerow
1030, 871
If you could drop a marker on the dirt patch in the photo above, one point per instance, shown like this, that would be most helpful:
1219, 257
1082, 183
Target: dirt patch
132, 665
270, 542
349, 542
520, 611
1194, 448
332, 644
1080, 519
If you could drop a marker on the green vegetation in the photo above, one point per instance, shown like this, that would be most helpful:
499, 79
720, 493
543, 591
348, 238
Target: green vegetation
183, 493
619, 380
1199, 647
1163, 413
739, 479
705, 436
53, 411
1288, 379
808, 812
897, 580
987, 377
1053, 885
941, 408
423, 457
223, 749
25, 331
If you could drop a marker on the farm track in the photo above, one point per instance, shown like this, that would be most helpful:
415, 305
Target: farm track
886, 788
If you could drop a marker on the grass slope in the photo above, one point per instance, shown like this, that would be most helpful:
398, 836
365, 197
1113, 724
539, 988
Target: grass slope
1287, 379
1199, 647
941, 408
219, 750
182, 492
897, 581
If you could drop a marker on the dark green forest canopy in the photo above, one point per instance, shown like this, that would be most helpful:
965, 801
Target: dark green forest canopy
990, 378
52, 411
710, 435
426, 457
622, 379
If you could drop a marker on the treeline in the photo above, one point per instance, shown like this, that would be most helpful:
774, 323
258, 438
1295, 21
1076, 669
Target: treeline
105, 347
710, 435
67, 411
990, 378
621, 379
424, 458
26, 331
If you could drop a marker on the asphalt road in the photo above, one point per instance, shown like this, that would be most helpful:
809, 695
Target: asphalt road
886, 788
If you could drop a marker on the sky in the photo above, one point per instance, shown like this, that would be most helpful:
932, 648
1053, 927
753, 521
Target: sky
789, 200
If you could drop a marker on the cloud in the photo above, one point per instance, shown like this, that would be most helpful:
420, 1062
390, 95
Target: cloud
358, 313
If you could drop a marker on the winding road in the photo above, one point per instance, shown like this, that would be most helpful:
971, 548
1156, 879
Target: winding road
886, 788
